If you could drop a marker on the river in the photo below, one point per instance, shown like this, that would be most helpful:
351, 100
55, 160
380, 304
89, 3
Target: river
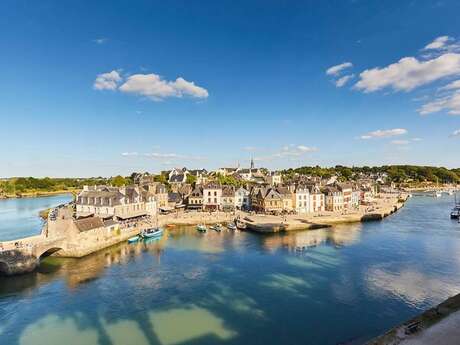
342, 285
19, 217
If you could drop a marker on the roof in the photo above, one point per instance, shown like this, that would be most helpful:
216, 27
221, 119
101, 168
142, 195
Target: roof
177, 178
228, 191
110, 222
174, 197
212, 185
89, 223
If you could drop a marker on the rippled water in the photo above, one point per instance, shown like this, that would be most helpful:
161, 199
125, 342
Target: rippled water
342, 285
20, 217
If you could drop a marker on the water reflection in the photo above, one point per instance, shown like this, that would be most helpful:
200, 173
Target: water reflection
410, 285
301, 240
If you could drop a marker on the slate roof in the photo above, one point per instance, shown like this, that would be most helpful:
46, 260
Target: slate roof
89, 223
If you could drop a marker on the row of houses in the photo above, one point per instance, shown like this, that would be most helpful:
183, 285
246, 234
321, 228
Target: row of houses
147, 197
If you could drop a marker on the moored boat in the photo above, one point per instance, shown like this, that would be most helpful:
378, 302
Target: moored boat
201, 228
151, 233
216, 227
231, 226
133, 239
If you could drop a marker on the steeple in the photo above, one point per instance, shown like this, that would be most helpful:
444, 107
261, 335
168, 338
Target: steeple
252, 163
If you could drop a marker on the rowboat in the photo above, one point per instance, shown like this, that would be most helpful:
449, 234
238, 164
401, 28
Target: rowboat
201, 227
217, 227
150, 233
231, 226
133, 239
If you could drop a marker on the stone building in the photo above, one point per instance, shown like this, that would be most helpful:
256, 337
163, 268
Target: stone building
107, 201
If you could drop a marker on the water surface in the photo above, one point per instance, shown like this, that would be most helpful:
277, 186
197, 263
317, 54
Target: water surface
20, 217
342, 285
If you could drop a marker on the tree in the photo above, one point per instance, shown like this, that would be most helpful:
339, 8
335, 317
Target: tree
191, 179
118, 181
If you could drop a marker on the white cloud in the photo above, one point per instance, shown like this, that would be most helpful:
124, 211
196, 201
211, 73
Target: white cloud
303, 148
101, 40
409, 73
342, 81
451, 86
451, 103
162, 156
156, 88
336, 70
384, 133
249, 148
438, 43
288, 152
400, 142
416, 139
107, 81
455, 133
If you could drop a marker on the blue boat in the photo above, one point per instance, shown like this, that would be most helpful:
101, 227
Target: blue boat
151, 233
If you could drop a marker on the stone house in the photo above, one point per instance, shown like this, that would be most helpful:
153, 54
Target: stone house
286, 195
333, 199
195, 199
107, 201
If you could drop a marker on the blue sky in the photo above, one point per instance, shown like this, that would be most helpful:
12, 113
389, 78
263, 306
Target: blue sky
111, 87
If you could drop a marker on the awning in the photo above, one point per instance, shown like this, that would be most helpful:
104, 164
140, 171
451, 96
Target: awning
131, 215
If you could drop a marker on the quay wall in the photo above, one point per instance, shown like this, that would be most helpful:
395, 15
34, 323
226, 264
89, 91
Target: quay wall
271, 224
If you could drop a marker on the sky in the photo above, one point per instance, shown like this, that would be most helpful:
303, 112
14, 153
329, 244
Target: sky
100, 88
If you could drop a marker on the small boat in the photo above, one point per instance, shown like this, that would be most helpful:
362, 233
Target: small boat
133, 239
150, 233
231, 226
201, 228
216, 227
455, 213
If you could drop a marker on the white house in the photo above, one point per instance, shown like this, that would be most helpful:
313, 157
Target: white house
242, 199
301, 198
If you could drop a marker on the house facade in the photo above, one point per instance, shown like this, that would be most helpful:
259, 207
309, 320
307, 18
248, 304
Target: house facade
195, 199
333, 199
107, 201
212, 195
317, 200
301, 199
242, 199
228, 199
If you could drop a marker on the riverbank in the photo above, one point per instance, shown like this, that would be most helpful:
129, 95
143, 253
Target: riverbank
438, 325
36, 194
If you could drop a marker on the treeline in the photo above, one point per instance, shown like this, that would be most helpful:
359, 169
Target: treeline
396, 173
31, 184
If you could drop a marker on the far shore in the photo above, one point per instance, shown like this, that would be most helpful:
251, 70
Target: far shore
37, 194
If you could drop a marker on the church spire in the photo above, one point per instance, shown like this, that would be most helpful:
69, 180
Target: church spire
252, 163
